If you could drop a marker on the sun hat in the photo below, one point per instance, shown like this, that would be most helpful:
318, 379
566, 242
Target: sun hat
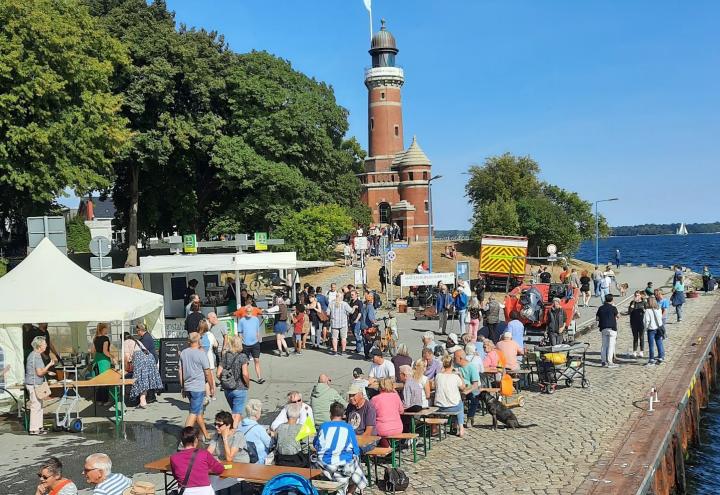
355, 389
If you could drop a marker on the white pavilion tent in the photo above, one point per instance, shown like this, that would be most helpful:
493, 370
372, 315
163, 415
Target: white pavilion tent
49, 287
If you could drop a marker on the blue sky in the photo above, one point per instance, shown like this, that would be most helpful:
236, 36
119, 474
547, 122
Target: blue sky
612, 98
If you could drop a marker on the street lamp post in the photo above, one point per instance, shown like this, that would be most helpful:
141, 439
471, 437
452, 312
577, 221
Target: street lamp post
430, 221
597, 229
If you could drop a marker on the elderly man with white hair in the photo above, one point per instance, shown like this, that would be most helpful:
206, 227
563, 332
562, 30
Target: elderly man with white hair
98, 472
293, 397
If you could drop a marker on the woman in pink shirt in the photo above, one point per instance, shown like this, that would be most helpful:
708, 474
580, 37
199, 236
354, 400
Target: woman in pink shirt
492, 358
204, 465
388, 408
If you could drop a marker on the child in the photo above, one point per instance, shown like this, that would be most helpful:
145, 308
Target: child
391, 324
298, 319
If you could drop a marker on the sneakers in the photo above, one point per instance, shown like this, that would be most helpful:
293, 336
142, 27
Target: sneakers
650, 363
603, 364
634, 354
641, 354
613, 365
659, 361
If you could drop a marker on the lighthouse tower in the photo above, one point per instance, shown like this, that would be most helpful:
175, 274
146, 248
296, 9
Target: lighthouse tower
395, 182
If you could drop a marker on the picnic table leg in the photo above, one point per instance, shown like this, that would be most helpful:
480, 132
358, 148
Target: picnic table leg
393, 456
367, 465
414, 447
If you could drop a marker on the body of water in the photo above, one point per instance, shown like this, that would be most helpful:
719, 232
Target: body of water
693, 250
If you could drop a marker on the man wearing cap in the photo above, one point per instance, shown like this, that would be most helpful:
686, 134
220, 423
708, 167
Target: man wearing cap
452, 343
360, 380
360, 412
323, 395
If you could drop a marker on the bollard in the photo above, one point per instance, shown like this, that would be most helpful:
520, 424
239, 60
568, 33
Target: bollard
650, 409
655, 398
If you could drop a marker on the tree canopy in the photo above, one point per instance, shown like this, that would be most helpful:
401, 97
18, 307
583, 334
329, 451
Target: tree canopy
508, 198
312, 232
59, 120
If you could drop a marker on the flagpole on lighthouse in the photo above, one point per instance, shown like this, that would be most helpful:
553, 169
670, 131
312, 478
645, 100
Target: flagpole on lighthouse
368, 6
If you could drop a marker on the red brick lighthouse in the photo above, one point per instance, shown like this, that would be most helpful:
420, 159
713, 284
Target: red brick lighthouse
395, 182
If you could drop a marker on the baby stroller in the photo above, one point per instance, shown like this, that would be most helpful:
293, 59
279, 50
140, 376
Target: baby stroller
289, 484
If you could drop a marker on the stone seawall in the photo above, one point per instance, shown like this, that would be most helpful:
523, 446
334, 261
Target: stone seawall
651, 458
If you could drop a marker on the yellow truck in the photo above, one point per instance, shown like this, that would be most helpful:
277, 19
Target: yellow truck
502, 256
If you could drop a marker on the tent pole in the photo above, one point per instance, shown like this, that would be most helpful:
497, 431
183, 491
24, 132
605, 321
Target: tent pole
122, 376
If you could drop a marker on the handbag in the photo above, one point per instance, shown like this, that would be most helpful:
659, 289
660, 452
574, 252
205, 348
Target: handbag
42, 391
322, 316
395, 481
187, 476
660, 327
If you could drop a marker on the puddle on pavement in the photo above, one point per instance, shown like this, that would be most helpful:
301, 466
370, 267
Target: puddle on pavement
129, 449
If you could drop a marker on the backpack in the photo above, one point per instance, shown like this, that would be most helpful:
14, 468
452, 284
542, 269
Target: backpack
377, 302
394, 481
251, 448
228, 379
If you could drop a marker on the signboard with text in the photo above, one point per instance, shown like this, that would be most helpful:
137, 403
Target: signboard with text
190, 243
261, 241
417, 279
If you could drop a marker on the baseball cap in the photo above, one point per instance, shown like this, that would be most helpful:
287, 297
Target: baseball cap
453, 337
355, 389
376, 352
357, 372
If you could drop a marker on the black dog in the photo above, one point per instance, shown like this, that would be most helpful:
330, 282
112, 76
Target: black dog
501, 412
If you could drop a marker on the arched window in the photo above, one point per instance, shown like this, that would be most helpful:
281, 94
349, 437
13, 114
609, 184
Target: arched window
384, 210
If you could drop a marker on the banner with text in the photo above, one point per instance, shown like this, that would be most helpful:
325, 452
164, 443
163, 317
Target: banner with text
415, 279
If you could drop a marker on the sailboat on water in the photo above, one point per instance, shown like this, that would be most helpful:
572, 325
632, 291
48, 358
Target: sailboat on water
682, 230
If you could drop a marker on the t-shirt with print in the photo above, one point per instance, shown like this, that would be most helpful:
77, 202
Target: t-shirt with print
237, 440
194, 362
360, 418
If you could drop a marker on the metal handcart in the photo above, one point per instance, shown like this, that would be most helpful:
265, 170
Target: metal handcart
67, 416
561, 363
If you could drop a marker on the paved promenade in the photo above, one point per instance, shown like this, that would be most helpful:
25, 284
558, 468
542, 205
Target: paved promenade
576, 428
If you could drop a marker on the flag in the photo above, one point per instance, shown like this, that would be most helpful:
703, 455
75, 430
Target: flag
308, 427
368, 5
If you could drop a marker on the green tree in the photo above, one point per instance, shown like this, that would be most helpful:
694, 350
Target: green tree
78, 235
498, 217
59, 121
312, 231
508, 198
221, 140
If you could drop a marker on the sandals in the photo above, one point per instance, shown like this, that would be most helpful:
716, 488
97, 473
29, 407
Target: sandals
38, 432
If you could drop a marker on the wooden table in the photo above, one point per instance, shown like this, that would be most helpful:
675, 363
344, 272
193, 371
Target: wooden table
253, 473
365, 440
419, 414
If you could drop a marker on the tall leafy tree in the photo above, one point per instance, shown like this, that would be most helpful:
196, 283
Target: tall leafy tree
509, 199
59, 121
311, 232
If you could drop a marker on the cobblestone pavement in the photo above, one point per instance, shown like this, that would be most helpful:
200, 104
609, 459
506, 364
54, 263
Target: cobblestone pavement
576, 427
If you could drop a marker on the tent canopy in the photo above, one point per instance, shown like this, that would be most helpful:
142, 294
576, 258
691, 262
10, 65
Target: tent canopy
47, 286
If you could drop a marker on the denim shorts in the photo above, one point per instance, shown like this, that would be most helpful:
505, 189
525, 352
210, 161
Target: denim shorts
196, 401
236, 400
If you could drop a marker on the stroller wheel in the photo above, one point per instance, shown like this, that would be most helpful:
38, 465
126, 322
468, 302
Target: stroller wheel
584, 383
76, 425
568, 382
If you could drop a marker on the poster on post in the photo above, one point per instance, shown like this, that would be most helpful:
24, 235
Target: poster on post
417, 279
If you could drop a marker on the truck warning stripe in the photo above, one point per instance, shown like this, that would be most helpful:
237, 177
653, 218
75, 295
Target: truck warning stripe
497, 259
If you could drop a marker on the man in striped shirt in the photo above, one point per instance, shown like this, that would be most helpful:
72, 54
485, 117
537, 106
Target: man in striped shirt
98, 471
338, 452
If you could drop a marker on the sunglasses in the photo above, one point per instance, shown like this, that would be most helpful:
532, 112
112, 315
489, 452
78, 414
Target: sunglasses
296, 401
218, 425
43, 477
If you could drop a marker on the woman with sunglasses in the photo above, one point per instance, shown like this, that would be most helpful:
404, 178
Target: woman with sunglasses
52, 481
228, 445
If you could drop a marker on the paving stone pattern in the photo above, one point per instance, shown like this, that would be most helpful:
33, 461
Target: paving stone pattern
575, 427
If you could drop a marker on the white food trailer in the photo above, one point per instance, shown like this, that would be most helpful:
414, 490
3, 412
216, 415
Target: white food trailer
168, 276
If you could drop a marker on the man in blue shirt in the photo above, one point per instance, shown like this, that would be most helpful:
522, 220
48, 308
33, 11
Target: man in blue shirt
323, 302
517, 329
338, 452
443, 302
249, 327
